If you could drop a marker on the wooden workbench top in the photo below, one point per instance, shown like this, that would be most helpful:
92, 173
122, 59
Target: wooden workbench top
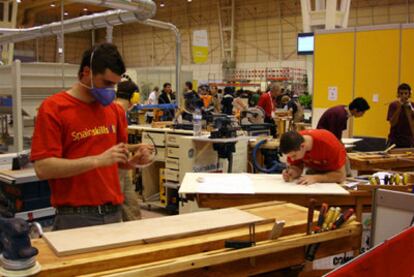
295, 217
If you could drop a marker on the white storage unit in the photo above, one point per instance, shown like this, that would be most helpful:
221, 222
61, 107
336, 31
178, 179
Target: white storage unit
29, 84
181, 154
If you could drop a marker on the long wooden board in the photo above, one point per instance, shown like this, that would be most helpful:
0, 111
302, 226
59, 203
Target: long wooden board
82, 240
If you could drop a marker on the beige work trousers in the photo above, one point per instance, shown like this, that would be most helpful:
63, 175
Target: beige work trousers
130, 208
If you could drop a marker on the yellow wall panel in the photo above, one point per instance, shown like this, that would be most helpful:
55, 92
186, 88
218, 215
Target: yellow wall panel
333, 67
407, 57
376, 72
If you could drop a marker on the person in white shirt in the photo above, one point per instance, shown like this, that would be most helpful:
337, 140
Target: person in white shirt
152, 100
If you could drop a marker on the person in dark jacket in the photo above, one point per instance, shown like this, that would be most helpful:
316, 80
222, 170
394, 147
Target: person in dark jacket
166, 98
227, 102
192, 101
336, 118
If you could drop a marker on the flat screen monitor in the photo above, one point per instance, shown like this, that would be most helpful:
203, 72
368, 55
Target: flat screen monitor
305, 43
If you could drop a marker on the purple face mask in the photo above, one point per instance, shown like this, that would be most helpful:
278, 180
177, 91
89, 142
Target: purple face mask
105, 96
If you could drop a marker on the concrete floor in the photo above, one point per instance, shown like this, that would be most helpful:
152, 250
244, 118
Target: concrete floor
153, 212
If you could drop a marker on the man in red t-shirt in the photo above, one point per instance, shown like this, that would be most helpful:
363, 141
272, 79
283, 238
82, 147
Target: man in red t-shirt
267, 103
318, 150
79, 140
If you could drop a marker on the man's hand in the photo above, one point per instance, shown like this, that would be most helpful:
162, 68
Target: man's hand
143, 154
404, 100
115, 154
308, 180
133, 147
291, 173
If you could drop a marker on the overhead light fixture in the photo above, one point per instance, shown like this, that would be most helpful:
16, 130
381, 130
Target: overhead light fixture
85, 9
53, 5
162, 5
66, 13
19, 1
189, 1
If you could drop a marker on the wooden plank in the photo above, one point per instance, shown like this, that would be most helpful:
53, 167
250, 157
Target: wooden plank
217, 201
221, 256
407, 188
81, 240
360, 200
52, 265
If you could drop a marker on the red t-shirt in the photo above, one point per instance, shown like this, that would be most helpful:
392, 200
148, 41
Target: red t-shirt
69, 128
266, 103
327, 154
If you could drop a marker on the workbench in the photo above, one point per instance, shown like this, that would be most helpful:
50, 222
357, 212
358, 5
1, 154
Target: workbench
263, 188
369, 162
361, 201
205, 255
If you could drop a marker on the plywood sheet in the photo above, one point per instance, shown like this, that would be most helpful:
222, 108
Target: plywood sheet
240, 183
82, 240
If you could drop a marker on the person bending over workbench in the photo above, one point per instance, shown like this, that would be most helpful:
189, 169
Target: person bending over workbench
335, 119
319, 151
401, 117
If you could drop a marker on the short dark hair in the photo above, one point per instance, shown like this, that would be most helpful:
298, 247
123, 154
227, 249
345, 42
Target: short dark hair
126, 88
204, 87
105, 56
359, 104
290, 141
166, 84
229, 90
404, 86
189, 84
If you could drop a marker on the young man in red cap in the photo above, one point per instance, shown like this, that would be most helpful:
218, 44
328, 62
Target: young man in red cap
317, 150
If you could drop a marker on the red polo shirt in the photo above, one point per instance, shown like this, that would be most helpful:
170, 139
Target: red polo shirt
71, 129
266, 103
327, 154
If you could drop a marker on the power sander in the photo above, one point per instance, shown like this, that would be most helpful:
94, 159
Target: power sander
18, 257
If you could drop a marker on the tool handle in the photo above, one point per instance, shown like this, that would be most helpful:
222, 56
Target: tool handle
322, 213
311, 210
238, 244
389, 148
311, 251
344, 217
